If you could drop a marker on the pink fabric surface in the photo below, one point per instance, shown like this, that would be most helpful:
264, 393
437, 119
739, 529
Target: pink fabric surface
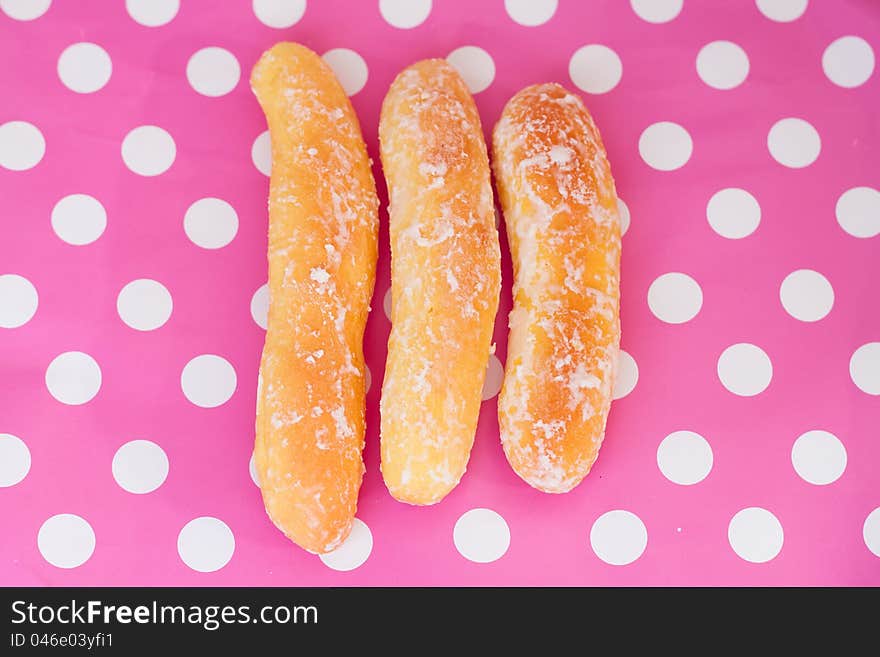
828, 536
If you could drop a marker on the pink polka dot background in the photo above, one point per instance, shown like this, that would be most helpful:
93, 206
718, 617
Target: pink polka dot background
742, 447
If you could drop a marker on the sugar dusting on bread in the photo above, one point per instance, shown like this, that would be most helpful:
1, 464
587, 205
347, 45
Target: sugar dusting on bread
560, 209
445, 279
322, 252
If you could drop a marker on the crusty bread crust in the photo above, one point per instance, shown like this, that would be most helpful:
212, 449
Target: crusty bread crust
445, 273
323, 222
560, 208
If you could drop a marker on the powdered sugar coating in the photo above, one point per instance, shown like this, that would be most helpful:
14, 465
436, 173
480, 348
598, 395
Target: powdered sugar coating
560, 210
322, 254
445, 273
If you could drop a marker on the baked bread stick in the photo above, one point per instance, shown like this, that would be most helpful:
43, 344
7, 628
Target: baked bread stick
560, 208
445, 280
323, 222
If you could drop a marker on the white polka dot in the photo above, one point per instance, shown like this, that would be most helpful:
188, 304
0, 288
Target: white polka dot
475, 66
618, 537
871, 531
794, 143
66, 540
15, 460
206, 544
494, 378
864, 368
79, 219
481, 535
148, 150
722, 64
213, 71
73, 378
623, 211
353, 551
665, 146
24, 10
140, 466
818, 457
261, 153
84, 67
848, 61
279, 14
733, 213
806, 295
144, 304
782, 11
208, 381
627, 375
18, 301
745, 369
405, 14
531, 12
595, 69
152, 13
368, 379
685, 457
858, 212
21, 145
656, 11
260, 306
675, 298
755, 535
386, 303
210, 223
349, 67
252, 469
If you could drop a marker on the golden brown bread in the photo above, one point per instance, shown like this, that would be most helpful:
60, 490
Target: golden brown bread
560, 207
322, 258
445, 273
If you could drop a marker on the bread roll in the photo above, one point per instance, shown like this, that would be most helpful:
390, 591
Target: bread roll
322, 257
560, 208
445, 279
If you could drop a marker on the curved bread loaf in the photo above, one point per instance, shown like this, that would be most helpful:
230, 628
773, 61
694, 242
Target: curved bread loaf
322, 256
560, 208
445, 273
